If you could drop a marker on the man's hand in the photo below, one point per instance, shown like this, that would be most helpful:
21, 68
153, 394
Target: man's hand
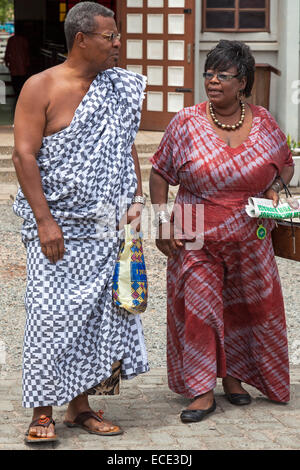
273, 195
51, 239
132, 217
166, 243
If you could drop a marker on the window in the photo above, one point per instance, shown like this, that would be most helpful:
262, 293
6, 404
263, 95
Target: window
62, 11
236, 15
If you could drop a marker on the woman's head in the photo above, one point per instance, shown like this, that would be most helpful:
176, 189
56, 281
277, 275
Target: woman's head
236, 57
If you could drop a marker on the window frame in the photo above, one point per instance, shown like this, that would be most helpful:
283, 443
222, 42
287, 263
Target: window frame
236, 10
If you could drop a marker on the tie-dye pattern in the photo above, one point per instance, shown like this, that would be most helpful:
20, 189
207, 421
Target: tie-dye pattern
225, 306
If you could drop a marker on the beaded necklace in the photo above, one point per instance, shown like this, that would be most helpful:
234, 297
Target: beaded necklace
228, 127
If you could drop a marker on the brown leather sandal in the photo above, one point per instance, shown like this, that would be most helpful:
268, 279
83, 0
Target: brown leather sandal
43, 421
82, 417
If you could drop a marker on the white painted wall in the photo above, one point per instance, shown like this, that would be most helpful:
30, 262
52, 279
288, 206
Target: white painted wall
280, 48
288, 62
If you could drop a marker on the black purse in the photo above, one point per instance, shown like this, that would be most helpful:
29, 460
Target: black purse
286, 234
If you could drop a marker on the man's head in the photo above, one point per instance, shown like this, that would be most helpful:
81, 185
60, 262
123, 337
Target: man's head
92, 36
81, 18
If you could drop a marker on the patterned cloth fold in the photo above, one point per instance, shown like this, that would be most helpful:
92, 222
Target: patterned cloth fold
74, 333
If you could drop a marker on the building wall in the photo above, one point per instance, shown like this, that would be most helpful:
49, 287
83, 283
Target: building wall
288, 62
279, 48
265, 47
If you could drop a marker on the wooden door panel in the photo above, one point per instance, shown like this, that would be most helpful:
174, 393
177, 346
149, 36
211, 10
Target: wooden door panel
159, 43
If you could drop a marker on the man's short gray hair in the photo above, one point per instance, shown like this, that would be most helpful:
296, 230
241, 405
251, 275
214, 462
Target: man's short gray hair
81, 18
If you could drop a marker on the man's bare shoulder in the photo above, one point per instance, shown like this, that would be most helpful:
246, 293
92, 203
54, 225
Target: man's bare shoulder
42, 81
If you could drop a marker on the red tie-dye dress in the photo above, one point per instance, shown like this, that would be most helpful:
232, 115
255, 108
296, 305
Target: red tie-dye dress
225, 306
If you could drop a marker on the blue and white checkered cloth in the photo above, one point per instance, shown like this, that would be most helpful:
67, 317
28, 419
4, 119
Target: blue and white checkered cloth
74, 333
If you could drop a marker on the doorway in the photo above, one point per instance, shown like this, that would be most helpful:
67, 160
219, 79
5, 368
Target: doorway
158, 41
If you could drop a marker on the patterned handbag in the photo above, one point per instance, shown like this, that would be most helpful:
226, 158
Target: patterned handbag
130, 287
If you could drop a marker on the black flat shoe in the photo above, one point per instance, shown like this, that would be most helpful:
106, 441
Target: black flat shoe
193, 416
238, 399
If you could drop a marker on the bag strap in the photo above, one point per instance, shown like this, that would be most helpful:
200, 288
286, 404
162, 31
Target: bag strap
289, 194
285, 187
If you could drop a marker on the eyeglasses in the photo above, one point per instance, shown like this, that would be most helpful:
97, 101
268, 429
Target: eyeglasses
109, 36
222, 77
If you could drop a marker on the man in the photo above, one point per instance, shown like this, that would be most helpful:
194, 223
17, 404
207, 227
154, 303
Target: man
74, 156
17, 59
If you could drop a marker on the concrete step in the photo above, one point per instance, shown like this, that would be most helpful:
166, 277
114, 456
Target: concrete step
8, 175
145, 171
144, 158
8, 192
147, 141
147, 147
6, 161
7, 168
6, 135
6, 150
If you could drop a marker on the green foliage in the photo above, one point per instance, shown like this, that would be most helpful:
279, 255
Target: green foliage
292, 143
6, 11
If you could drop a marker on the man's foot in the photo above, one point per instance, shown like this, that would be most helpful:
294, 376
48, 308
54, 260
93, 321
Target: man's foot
79, 414
42, 427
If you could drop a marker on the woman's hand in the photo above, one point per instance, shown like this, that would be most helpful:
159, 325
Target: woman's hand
273, 195
51, 239
166, 243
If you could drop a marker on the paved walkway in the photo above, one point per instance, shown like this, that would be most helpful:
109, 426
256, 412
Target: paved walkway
149, 414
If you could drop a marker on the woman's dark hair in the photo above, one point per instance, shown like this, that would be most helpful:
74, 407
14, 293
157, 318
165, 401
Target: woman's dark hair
233, 53
81, 18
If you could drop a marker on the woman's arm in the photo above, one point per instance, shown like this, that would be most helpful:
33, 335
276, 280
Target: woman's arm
273, 192
159, 188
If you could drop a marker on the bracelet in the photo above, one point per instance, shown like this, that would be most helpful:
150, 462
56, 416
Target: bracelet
139, 200
276, 186
161, 217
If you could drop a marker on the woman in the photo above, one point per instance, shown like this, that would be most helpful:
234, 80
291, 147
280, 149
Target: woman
225, 307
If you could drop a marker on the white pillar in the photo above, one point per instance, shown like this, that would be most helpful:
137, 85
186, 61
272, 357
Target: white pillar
197, 80
288, 103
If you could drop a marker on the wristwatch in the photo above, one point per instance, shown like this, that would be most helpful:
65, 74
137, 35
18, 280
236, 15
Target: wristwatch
139, 200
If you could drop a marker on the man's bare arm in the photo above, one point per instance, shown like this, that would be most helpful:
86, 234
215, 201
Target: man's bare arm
133, 215
30, 121
139, 191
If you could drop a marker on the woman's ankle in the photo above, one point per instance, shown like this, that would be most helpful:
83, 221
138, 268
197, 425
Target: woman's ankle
203, 401
232, 385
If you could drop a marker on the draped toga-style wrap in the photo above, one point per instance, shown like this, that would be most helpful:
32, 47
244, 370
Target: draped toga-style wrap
74, 333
